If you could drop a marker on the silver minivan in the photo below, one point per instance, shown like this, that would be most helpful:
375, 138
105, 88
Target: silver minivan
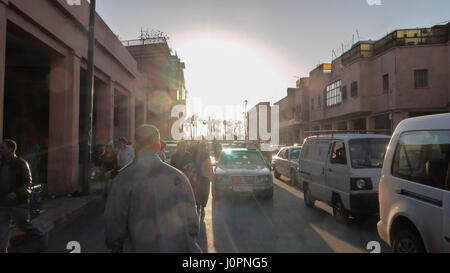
415, 186
343, 171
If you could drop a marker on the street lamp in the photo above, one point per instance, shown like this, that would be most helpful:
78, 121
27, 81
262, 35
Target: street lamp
88, 118
245, 118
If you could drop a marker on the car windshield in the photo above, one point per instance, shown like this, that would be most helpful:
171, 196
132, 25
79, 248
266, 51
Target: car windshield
368, 153
295, 153
241, 158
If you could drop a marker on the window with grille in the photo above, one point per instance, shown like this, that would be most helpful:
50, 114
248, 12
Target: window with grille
420, 78
354, 89
344, 92
386, 83
334, 95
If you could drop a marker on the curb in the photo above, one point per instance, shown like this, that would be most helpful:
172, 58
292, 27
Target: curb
22, 238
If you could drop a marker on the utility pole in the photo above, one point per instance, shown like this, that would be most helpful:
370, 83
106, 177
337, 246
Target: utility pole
89, 89
246, 118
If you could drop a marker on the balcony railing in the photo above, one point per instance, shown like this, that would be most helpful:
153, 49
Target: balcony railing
148, 41
406, 37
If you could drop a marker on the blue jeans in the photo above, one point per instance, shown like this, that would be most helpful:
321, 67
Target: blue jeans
21, 216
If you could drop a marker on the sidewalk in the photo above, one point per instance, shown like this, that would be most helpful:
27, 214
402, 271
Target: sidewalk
57, 211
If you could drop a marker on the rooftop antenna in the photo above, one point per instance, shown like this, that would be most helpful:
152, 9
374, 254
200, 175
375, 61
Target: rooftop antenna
353, 39
357, 33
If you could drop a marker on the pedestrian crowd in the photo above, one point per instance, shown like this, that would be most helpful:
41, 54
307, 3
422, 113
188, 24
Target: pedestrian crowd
151, 205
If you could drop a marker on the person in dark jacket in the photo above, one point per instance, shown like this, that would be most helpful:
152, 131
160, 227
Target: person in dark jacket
181, 158
15, 184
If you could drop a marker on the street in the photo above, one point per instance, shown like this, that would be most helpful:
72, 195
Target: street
284, 225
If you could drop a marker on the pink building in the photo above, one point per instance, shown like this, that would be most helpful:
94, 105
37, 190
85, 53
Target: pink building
43, 61
376, 84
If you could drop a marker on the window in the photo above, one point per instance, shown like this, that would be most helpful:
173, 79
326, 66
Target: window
354, 89
344, 92
386, 84
421, 78
334, 95
423, 157
339, 155
295, 153
368, 153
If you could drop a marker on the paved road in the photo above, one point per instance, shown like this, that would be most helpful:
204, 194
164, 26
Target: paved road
282, 225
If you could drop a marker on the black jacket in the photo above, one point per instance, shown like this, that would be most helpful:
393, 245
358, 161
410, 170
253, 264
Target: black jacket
19, 178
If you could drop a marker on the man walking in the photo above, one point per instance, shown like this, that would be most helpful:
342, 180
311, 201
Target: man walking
151, 206
15, 183
126, 153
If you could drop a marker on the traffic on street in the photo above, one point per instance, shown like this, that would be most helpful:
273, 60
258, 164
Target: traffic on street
225, 127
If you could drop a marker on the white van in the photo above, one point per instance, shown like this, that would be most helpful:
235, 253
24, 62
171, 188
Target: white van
343, 171
415, 186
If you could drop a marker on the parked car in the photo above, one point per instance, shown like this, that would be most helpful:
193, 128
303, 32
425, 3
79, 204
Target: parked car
286, 163
343, 171
415, 186
242, 172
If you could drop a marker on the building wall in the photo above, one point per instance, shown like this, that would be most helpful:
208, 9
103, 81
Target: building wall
62, 30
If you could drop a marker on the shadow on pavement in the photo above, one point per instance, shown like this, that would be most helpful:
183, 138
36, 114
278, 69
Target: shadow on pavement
253, 225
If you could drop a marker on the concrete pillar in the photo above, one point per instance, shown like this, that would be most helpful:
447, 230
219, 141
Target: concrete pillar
370, 123
131, 118
105, 113
2, 62
64, 85
122, 116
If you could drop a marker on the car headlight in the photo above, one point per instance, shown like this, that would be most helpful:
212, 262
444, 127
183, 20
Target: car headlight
361, 184
263, 179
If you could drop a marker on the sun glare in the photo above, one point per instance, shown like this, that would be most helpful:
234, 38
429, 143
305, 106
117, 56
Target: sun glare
224, 71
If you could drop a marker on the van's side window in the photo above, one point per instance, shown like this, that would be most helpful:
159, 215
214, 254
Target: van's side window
423, 157
339, 156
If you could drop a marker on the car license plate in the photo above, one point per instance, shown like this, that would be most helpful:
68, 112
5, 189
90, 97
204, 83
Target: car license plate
242, 189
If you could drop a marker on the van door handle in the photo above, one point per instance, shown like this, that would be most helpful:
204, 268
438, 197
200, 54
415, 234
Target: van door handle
447, 239
330, 170
399, 191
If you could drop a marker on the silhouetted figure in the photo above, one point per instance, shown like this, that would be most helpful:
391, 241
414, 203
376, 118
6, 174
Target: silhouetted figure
15, 189
151, 205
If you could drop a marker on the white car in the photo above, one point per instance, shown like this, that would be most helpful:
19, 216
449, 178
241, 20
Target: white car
343, 171
242, 172
415, 186
286, 163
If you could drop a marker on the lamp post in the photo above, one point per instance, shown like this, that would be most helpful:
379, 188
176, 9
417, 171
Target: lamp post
246, 118
89, 89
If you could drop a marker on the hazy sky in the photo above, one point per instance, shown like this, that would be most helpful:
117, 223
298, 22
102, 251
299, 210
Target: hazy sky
238, 50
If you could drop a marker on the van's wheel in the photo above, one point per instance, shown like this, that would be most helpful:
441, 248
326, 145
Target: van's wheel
277, 174
309, 200
407, 241
340, 213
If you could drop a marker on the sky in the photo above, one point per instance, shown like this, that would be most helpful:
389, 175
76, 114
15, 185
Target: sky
237, 50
